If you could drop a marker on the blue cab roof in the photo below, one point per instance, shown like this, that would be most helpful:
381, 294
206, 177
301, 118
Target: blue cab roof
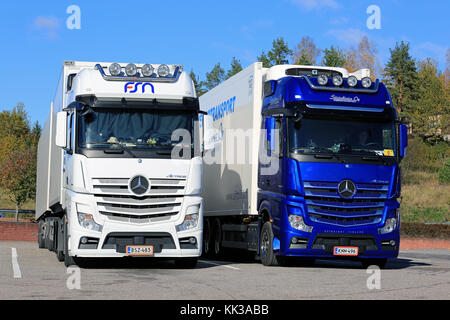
304, 89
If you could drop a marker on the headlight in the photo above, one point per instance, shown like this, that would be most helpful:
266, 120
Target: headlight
115, 69
352, 81
322, 80
131, 69
163, 70
87, 221
389, 226
297, 222
337, 80
190, 220
147, 70
366, 83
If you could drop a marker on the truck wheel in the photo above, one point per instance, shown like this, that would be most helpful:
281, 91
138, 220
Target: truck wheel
186, 263
268, 257
377, 262
59, 253
41, 241
217, 227
207, 238
68, 260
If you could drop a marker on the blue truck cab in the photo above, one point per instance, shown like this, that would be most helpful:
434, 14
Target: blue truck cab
338, 143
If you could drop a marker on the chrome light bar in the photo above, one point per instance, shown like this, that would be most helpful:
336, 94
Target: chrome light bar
173, 78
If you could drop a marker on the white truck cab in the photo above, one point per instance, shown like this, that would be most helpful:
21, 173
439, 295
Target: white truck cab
120, 164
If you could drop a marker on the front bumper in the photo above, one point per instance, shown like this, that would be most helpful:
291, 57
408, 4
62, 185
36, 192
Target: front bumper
115, 235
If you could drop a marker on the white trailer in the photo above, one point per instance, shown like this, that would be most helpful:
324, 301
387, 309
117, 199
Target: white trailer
119, 164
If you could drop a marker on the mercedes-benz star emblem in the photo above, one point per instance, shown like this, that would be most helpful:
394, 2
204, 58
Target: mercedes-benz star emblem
346, 189
139, 185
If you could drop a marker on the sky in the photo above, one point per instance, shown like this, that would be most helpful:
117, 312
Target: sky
35, 38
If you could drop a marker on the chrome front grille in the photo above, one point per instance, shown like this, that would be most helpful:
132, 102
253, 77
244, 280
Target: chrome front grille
325, 205
115, 200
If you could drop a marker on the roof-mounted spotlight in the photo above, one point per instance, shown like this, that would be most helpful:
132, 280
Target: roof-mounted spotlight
131, 69
322, 80
366, 82
115, 69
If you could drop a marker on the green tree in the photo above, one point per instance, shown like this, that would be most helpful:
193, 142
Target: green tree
214, 77
277, 55
429, 112
18, 175
236, 67
306, 52
333, 57
400, 76
199, 85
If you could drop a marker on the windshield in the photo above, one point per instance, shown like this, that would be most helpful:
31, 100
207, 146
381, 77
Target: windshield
336, 136
132, 129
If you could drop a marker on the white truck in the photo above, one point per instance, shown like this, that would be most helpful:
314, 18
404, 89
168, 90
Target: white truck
120, 164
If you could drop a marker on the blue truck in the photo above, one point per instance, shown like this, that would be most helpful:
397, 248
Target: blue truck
305, 164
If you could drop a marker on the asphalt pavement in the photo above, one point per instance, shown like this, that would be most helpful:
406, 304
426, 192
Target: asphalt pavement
27, 272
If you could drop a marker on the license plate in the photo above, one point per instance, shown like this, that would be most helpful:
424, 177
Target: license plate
345, 251
139, 250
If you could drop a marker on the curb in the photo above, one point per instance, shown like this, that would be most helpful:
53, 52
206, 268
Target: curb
423, 243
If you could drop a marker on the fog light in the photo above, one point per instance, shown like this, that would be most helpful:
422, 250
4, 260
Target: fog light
192, 240
294, 240
84, 240
392, 243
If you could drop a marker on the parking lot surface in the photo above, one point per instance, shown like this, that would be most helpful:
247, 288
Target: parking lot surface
27, 272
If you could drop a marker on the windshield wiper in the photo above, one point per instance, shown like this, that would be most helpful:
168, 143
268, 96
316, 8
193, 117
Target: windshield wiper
122, 148
313, 149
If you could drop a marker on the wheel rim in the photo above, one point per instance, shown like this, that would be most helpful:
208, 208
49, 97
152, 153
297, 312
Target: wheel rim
265, 244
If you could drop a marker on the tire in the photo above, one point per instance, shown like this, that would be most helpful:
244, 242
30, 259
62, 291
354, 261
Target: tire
59, 253
380, 262
41, 240
207, 243
68, 260
186, 263
268, 257
217, 239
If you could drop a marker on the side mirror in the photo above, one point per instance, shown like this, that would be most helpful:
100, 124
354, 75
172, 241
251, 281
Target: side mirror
270, 130
61, 129
403, 140
208, 132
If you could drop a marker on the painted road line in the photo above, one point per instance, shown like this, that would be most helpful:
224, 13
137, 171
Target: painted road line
15, 264
218, 264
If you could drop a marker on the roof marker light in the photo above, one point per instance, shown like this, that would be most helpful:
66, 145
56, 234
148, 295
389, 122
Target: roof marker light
115, 69
131, 69
366, 82
352, 81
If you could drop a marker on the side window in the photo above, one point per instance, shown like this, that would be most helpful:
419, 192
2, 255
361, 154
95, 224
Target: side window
279, 143
273, 144
70, 123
